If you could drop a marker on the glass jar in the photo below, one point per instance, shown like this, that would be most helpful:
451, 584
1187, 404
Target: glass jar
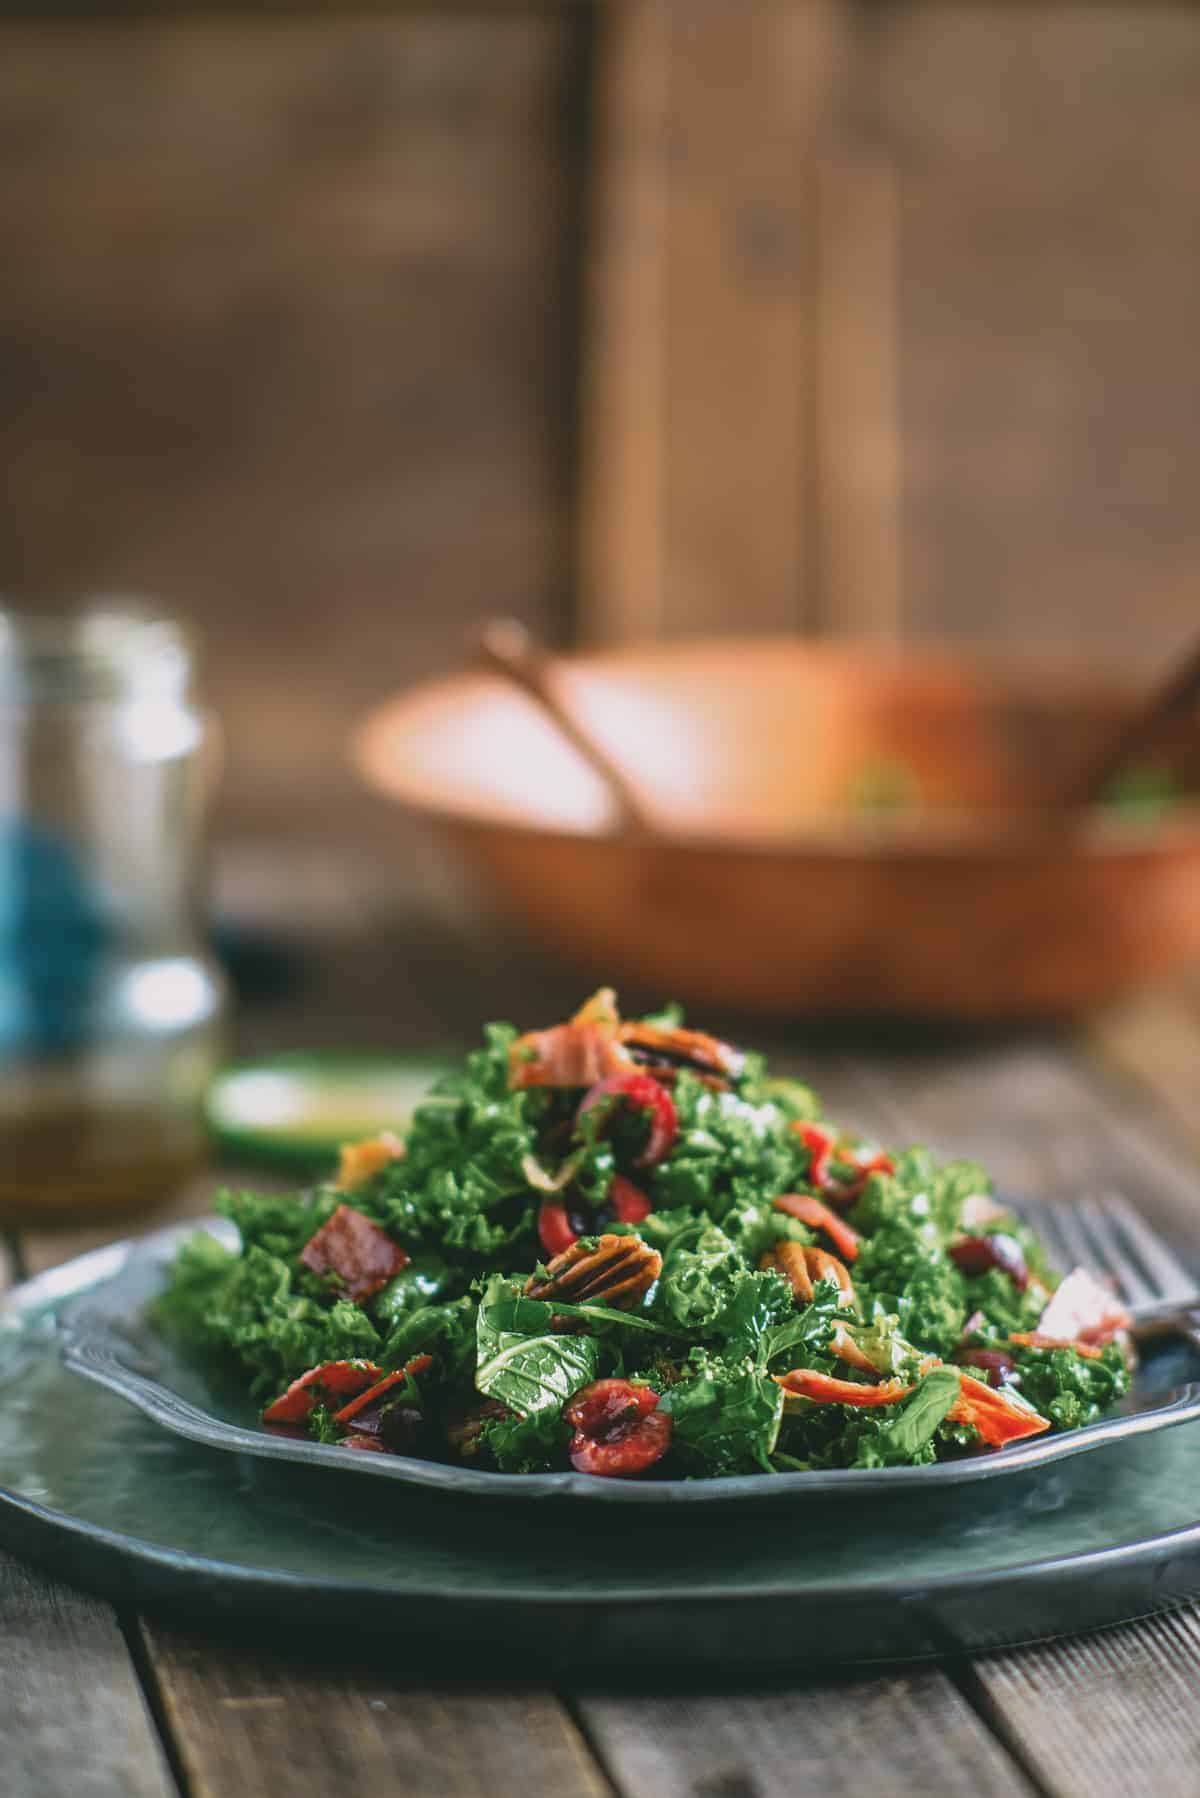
111, 1008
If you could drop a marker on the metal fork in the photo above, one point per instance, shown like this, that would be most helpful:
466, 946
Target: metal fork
1105, 1234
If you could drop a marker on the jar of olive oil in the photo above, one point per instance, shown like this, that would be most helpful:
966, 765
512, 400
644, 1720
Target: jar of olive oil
111, 1008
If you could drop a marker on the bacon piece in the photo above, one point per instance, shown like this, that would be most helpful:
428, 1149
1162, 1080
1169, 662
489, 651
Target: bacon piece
373, 1394
566, 1055
333, 1379
359, 1161
1082, 1310
363, 1256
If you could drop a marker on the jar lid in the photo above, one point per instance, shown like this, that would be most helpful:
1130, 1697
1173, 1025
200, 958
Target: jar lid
106, 651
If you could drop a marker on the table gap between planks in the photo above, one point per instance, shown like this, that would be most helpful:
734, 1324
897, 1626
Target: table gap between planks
98, 1701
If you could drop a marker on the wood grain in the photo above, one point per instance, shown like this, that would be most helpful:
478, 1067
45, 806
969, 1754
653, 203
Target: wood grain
73, 1723
901, 1733
281, 337
1104, 1715
1048, 283
266, 1723
701, 382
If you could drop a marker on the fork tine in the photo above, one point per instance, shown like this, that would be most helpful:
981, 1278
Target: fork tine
1169, 1277
1079, 1251
1110, 1255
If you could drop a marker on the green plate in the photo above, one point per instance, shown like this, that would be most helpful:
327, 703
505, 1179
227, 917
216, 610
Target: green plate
100, 1493
295, 1110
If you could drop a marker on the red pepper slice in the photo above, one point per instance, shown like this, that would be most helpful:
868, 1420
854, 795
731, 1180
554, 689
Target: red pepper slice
363, 1256
353, 1440
823, 1389
646, 1093
995, 1412
618, 1430
333, 1379
373, 1394
820, 1143
878, 1164
817, 1215
1035, 1339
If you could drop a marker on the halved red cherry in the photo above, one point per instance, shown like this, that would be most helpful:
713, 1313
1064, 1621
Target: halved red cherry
627, 1202
619, 1430
559, 1225
555, 1230
644, 1093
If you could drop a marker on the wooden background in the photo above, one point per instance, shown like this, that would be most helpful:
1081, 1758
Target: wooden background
642, 317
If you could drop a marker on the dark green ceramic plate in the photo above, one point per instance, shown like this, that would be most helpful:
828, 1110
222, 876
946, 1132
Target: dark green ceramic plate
109, 1336
100, 1493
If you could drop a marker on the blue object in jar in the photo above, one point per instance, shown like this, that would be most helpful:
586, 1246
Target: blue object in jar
53, 935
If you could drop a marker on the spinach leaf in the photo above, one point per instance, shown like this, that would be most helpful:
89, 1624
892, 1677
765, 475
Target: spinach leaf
536, 1374
906, 1433
532, 1317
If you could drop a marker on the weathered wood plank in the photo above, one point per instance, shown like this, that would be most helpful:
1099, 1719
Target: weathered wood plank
1104, 1715
1154, 1041
1049, 278
265, 1722
701, 386
1085, 1716
41, 1249
282, 314
896, 1733
73, 1722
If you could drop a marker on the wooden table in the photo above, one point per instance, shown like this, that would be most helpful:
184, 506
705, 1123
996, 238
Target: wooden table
98, 1700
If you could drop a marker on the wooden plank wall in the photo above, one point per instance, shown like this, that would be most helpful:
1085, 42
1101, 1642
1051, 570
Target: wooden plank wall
894, 329
281, 340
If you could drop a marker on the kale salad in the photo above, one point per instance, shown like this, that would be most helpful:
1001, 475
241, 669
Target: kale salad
622, 1246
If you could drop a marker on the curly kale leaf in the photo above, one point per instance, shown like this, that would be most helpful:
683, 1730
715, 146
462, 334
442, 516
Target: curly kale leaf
460, 1183
707, 1290
725, 1416
729, 1151
1071, 1389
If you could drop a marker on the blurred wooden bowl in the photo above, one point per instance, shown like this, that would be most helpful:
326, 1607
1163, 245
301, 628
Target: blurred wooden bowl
769, 883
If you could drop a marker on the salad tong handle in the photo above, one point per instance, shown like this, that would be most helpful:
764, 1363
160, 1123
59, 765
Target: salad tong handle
505, 647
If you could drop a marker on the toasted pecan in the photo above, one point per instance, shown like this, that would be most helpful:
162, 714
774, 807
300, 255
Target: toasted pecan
617, 1270
802, 1267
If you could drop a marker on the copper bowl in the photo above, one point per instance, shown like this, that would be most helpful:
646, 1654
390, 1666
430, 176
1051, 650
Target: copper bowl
769, 883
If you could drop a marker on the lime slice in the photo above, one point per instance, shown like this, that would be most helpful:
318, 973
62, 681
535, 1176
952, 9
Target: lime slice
295, 1110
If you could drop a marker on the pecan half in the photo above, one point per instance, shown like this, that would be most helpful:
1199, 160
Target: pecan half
802, 1267
619, 1270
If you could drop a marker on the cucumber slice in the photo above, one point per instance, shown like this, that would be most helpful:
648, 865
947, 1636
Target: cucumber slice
295, 1110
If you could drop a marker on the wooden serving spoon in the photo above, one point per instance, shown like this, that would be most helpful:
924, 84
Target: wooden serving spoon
507, 648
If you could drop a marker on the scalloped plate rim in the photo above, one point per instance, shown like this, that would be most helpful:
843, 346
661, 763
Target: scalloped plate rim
87, 1354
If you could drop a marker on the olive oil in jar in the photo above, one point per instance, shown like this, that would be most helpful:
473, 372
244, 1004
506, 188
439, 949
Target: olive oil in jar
111, 1009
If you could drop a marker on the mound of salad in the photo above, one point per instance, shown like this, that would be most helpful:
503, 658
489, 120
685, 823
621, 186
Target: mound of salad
622, 1246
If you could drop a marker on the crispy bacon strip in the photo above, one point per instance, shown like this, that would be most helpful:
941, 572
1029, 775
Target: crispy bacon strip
333, 1379
363, 1256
